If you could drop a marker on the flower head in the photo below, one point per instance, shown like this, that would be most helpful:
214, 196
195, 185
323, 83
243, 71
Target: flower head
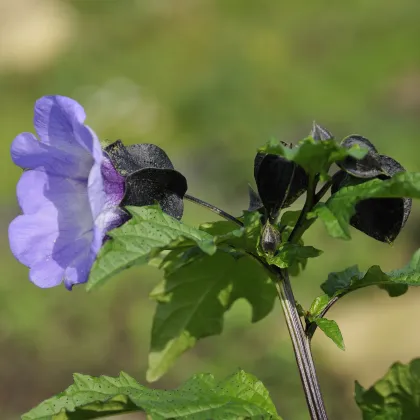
69, 195
149, 177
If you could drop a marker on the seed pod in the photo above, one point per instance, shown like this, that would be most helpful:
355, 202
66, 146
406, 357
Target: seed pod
270, 238
369, 166
149, 177
165, 186
379, 218
279, 181
255, 202
319, 133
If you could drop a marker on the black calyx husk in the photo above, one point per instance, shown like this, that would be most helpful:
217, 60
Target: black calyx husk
379, 218
370, 166
279, 182
255, 203
149, 177
319, 133
148, 185
129, 159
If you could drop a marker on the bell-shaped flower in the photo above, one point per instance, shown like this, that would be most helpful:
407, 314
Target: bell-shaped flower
379, 218
69, 194
149, 177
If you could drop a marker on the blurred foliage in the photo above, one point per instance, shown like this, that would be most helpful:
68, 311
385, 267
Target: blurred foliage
209, 81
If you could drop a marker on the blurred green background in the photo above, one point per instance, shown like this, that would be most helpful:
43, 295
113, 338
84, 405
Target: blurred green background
210, 81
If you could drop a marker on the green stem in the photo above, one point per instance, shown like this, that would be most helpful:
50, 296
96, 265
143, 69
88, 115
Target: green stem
214, 209
302, 222
301, 348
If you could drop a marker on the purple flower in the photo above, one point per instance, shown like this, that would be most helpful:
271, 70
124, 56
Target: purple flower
69, 195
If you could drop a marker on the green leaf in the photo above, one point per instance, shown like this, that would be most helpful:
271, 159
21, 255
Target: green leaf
241, 238
318, 305
338, 282
339, 208
394, 397
291, 254
395, 282
331, 330
314, 156
239, 396
142, 237
193, 300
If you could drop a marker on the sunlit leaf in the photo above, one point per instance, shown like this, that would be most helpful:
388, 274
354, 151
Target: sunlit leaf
314, 156
200, 398
148, 231
331, 330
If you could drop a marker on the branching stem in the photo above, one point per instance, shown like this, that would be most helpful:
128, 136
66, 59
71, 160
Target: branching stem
214, 209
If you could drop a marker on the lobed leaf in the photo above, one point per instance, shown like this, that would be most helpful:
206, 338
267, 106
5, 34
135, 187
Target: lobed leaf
352, 279
239, 396
149, 231
193, 300
394, 397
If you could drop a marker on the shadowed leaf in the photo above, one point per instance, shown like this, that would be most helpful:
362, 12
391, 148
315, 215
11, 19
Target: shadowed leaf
193, 300
394, 397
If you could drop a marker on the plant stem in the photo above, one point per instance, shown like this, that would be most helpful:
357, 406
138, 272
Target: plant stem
301, 348
214, 209
302, 222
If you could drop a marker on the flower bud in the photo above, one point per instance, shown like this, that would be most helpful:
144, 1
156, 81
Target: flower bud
270, 238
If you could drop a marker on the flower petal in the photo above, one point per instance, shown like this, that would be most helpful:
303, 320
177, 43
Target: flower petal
27, 152
113, 183
32, 237
58, 217
78, 270
46, 273
54, 120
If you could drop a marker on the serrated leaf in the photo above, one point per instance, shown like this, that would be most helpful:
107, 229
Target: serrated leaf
291, 254
394, 397
331, 330
192, 302
145, 234
239, 396
339, 208
314, 156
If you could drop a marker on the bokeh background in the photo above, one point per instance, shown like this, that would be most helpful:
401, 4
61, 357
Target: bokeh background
210, 81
